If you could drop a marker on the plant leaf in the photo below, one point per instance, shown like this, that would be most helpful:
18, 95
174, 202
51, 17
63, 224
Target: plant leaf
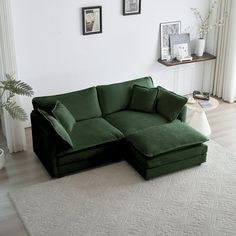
15, 111
18, 87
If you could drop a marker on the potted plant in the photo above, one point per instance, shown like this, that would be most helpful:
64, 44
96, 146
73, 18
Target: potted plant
8, 89
204, 27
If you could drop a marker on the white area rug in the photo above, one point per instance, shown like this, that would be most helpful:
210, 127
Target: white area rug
114, 200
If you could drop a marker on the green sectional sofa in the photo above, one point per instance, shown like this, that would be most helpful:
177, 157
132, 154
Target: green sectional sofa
131, 120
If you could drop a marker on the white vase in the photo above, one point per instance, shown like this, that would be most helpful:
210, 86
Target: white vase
200, 47
2, 159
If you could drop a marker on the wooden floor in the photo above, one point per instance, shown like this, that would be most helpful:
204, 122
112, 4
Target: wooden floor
223, 124
24, 169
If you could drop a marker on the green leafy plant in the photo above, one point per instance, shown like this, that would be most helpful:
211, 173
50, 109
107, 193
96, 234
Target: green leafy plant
11, 87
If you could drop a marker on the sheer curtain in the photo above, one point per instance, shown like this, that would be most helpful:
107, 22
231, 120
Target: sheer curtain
224, 81
229, 91
13, 130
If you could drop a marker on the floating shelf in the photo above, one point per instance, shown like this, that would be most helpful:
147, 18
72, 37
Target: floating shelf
205, 57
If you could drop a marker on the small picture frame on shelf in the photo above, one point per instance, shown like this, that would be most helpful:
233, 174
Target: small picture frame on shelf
180, 51
92, 20
131, 7
167, 29
182, 42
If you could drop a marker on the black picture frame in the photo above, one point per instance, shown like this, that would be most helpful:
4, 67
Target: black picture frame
131, 7
92, 20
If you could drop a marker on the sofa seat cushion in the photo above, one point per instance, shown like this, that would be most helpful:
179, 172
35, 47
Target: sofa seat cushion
92, 133
158, 140
129, 122
107, 152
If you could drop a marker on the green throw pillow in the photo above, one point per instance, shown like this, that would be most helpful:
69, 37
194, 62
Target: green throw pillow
169, 104
57, 127
64, 116
143, 99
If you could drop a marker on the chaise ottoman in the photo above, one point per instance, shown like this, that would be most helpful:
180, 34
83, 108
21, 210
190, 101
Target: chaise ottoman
166, 148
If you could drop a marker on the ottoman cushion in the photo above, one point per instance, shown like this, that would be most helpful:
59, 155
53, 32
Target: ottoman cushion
167, 158
154, 141
166, 148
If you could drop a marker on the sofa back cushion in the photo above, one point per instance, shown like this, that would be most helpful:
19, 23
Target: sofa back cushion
169, 104
169, 137
57, 127
64, 116
116, 97
143, 99
82, 104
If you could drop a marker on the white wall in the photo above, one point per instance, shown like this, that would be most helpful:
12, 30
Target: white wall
54, 57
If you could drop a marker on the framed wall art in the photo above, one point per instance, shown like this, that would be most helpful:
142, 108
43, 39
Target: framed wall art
131, 7
180, 40
92, 20
167, 29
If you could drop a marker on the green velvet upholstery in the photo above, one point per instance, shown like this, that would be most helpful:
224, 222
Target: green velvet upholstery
58, 128
91, 157
169, 104
183, 114
64, 116
129, 122
46, 142
60, 160
102, 128
143, 99
116, 97
169, 137
112, 150
82, 104
149, 173
92, 133
166, 148
83, 155
167, 158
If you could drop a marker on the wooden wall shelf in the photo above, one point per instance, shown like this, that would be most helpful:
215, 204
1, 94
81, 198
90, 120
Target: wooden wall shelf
205, 57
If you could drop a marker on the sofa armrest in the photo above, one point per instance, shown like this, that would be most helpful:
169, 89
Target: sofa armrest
45, 143
183, 114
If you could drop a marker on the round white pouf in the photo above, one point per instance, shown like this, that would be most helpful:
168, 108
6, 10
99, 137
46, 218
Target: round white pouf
2, 159
199, 120
200, 123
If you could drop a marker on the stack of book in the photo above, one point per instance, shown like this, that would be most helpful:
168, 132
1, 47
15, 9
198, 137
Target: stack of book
199, 95
204, 103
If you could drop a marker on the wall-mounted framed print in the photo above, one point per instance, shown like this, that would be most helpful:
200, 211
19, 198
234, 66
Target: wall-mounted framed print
167, 29
131, 7
92, 20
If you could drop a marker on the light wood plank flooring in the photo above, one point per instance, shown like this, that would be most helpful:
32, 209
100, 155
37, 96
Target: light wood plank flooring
24, 169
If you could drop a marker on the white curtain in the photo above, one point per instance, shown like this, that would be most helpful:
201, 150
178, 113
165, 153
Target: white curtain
224, 81
13, 130
229, 92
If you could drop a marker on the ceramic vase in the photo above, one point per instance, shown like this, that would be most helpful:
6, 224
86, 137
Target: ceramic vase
200, 47
2, 159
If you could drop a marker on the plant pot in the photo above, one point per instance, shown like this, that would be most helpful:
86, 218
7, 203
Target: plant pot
200, 47
2, 159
